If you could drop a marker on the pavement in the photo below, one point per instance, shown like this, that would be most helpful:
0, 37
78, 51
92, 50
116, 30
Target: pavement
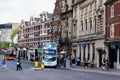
89, 69
96, 70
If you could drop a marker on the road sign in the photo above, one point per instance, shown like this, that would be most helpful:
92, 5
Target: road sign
5, 26
84, 45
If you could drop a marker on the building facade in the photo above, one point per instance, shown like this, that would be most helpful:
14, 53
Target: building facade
56, 21
7, 32
112, 39
34, 33
88, 30
66, 25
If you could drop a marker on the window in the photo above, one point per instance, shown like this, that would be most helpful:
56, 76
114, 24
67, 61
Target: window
88, 51
86, 23
112, 30
95, 23
82, 25
112, 11
101, 1
93, 54
90, 23
80, 50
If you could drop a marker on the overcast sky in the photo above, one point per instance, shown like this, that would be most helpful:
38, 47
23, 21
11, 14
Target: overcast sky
16, 10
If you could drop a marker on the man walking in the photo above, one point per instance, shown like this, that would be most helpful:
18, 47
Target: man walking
18, 65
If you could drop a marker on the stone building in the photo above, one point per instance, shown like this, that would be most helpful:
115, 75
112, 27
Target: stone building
88, 30
66, 25
56, 21
112, 39
7, 32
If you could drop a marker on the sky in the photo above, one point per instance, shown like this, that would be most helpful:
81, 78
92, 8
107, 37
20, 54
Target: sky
17, 10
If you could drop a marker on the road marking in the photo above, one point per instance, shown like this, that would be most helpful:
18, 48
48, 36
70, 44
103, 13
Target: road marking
38, 69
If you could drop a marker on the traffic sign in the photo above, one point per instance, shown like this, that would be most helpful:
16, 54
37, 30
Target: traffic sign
84, 45
5, 26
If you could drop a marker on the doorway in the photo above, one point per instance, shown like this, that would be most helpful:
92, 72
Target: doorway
112, 55
100, 57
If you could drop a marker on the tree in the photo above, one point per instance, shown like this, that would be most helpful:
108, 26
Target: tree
4, 44
13, 33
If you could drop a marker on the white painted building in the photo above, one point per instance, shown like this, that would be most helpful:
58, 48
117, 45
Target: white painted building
5, 33
88, 31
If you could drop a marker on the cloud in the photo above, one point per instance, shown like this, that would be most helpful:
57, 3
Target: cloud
15, 10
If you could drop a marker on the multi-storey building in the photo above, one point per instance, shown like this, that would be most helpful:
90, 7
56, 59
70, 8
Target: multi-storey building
7, 32
88, 31
34, 33
56, 21
112, 39
66, 25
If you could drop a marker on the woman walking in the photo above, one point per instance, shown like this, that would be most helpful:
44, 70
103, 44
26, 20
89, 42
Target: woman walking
4, 65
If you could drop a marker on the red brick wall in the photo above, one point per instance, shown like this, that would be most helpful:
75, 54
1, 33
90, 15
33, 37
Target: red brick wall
115, 20
117, 9
107, 11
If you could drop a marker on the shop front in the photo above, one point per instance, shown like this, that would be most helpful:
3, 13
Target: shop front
114, 55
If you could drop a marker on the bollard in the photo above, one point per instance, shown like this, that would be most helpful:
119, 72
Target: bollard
36, 64
42, 66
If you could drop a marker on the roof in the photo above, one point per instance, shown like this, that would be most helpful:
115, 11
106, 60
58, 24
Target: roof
78, 2
37, 19
109, 1
26, 23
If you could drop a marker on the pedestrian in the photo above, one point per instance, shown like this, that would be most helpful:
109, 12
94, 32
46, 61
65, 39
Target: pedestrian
78, 61
18, 66
103, 64
4, 65
107, 63
85, 63
92, 64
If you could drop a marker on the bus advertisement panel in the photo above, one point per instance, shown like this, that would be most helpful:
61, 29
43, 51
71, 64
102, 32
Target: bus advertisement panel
49, 56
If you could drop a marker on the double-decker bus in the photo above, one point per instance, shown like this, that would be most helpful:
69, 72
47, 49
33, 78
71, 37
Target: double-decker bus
49, 55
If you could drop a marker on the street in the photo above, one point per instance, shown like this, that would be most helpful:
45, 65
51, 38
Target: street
49, 73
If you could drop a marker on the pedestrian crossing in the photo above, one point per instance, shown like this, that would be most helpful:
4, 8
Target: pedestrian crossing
38, 69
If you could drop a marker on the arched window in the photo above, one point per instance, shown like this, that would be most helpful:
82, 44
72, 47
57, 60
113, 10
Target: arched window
86, 23
95, 23
82, 25
90, 23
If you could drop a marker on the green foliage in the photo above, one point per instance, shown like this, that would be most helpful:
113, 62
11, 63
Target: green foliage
13, 33
4, 44
103, 51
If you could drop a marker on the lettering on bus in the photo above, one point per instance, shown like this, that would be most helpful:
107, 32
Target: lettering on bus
50, 52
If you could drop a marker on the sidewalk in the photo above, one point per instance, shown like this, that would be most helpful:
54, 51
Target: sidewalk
96, 70
89, 69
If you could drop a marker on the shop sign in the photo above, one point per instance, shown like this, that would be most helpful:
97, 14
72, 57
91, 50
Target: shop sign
74, 45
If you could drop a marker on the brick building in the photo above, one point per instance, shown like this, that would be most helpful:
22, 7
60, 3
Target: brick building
34, 33
113, 32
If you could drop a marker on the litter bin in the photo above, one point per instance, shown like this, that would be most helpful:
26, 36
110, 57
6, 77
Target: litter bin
66, 63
